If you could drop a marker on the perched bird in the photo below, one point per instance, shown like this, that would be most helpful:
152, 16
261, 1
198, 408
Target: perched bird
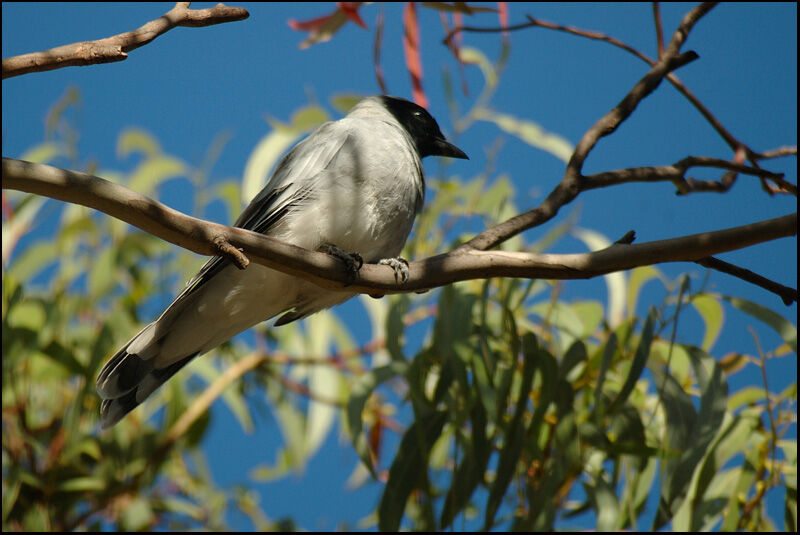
353, 185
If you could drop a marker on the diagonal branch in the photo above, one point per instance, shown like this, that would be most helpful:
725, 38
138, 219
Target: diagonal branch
327, 271
734, 143
115, 48
572, 184
670, 61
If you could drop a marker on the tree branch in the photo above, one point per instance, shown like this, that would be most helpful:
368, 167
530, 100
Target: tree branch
732, 141
789, 295
202, 237
676, 173
115, 48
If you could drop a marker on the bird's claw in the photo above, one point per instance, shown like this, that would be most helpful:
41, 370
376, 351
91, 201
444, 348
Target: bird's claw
352, 261
400, 267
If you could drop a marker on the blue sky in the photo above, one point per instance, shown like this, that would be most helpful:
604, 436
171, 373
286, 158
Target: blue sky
193, 83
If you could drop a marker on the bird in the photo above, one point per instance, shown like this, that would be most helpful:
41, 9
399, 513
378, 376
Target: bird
352, 188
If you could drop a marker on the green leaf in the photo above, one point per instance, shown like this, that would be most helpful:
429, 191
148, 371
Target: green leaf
395, 328
638, 278
137, 515
137, 140
231, 396
344, 103
33, 260
409, 468
609, 350
528, 131
153, 171
637, 367
781, 325
605, 503
43, 153
615, 282
453, 324
28, 314
575, 355
228, 193
324, 381
11, 487
473, 56
470, 473
749, 395
360, 391
695, 469
713, 316
24, 218
514, 433
83, 484
747, 477
591, 315
103, 274
691, 432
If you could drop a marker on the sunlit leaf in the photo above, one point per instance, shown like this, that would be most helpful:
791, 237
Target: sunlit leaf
43, 153
474, 56
22, 222
638, 278
344, 103
137, 140
33, 260
232, 398
153, 171
83, 484
713, 316
780, 324
605, 502
137, 515
27, 315
615, 282
528, 131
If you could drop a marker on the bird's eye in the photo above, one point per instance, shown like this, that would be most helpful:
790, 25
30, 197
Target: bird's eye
417, 113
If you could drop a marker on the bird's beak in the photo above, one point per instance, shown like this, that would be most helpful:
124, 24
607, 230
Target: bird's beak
444, 148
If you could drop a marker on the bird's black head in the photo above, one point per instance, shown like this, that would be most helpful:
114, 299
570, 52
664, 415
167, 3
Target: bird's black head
422, 127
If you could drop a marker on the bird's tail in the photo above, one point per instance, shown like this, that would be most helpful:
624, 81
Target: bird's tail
130, 376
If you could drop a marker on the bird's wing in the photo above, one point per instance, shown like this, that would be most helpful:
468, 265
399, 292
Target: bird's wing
293, 181
134, 371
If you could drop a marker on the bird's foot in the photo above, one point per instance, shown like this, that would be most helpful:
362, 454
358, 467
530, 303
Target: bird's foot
352, 261
400, 267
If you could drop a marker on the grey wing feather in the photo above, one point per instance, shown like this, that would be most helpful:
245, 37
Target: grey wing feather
289, 186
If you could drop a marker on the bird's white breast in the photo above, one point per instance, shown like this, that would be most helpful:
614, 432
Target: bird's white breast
366, 198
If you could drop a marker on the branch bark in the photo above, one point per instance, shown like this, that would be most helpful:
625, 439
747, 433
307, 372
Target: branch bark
116, 48
572, 184
204, 237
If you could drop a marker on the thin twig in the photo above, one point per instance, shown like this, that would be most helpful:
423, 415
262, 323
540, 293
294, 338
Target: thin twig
732, 141
788, 295
571, 184
210, 394
377, 53
116, 48
659, 31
